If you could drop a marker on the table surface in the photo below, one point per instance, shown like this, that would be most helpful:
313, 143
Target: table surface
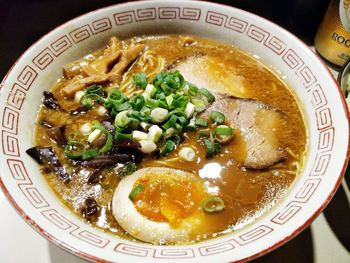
326, 240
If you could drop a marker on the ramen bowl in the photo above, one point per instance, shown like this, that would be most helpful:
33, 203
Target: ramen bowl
323, 107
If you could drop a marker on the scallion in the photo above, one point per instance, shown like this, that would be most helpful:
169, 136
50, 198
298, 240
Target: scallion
217, 117
207, 94
122, 119
201, 122
223, 131
127, 169
140, 80
135, 191
170, 123
88, 154
213, 204
168, 147
209, 147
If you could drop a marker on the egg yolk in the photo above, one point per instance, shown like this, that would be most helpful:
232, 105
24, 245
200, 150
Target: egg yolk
168, 197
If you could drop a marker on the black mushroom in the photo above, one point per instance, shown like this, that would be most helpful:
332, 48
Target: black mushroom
91, 209
57, 135
122, 152
50, 101
80, 110
99, 142
107, 160
47, 156
109, 126
129, 147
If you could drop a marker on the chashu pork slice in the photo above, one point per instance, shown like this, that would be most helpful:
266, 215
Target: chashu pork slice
256, 122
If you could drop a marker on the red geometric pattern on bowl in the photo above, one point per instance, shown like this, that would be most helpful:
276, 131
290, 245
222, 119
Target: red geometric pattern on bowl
320, 164
10, 120
292, 59
215, 18
218, 248
18, 171
326, 139
318, 99
33, 195
64, 223
306, 76
16, 96
27, 77
257, 33
60, 45
323, 118
171, 253
10, 145
132, 250
236, 24
47, 55
275, 44
81, 33
101, 25
168, 12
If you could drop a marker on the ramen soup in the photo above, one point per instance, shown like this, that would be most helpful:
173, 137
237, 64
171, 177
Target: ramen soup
169, 139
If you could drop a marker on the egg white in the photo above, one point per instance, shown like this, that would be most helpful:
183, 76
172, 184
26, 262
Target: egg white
139, 226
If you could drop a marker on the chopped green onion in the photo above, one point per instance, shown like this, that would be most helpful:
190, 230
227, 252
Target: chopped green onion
209, 147
168, 147
223, 131
145, 111
170, 123
88, 154
152, 103
74, 150
192, 89
122, 119
176, 139
108, 145
122, 107
213, 204
115, 97
217, 147
199, 105
119, 135
87, 102
180, 102
178, 127
201, 122
109, 141
135, 191
137, 102
217, 117
169, 100
94, 89
207, 94
203, 134
182, 120
168, 133
140, 80
192, 125
127, 169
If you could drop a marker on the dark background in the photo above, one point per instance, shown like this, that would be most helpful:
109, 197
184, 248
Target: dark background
24, 22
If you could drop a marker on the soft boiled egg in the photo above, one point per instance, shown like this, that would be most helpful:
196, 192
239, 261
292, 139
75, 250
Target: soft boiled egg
160, 205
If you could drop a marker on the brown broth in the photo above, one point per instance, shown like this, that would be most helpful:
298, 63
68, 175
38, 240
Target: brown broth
247, 193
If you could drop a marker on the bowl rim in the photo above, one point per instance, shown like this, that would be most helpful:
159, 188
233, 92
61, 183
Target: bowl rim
274, 245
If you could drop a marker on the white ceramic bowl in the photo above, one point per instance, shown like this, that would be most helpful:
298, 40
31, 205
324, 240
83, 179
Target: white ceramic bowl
40, 66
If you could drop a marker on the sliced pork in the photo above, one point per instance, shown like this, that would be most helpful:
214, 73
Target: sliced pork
256, 122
